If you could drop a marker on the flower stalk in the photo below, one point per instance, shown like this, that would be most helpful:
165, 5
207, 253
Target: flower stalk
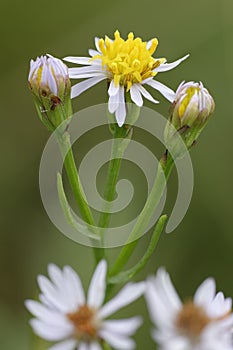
164, 170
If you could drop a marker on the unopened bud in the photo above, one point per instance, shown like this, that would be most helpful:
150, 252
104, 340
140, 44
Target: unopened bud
49, 82
192, 107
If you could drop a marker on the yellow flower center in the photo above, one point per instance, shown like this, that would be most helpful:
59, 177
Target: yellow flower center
128, 61
85, 323
189, 94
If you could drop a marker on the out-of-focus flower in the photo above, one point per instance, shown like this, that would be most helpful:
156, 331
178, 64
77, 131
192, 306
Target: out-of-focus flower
203, 323
192, 107
50, 84
128, 66
64, 315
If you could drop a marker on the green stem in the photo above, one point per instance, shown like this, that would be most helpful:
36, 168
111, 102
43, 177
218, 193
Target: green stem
106, 346
71, 170
125, 276
164, 171
121, 138
119, 144
74, 180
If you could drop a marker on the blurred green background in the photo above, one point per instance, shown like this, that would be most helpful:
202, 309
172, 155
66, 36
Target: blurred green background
202, 244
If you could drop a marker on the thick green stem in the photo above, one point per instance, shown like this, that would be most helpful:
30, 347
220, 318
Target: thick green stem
163, 173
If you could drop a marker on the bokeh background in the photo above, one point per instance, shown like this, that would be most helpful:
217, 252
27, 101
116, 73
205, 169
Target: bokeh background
202, 244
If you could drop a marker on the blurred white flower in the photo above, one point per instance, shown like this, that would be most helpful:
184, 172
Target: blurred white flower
128, 65
204, 323
65, 316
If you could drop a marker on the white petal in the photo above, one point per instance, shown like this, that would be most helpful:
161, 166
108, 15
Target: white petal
113, 103
51, 293
68, 287
52, 82
146, 94
94, 346
83, 346
148, 44
49, 332
179, 343
82, 70
55, 274
44, 314
163, 89
46, 302
33, 66
78, 60
93, 53
85, 75
66, 345
97, 44
205, 293
160, 312
124, 327
136, 96
84, 85
163, 301
220, 306
127, 295
117, 342
113, 90
96, 292
121, 110
168, 290
74, 288
164, 67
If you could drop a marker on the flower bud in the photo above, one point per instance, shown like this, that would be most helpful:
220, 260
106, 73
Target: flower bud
190, 112
49, 82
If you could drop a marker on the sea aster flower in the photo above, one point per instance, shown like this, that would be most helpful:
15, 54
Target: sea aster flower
193, 105
203, 323
49, 82
48, 76
128, 65
65, 315
189, 113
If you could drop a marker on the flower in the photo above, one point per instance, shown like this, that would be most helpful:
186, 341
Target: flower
48, 76
192, 107
65, 315
127, 65
50, 84
203, 323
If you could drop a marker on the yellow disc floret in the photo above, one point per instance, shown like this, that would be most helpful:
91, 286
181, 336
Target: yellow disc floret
128, 61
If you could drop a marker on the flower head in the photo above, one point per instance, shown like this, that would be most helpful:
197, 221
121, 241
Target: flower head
127, 65
192, 107
64, 314
49, 82
199, 324
48, 76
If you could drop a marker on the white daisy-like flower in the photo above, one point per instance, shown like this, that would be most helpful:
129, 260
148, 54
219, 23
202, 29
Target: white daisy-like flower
65, 316
203, 323
128, 65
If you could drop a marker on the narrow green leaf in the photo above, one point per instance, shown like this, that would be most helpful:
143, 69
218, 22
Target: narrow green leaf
125, 276
68, 214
